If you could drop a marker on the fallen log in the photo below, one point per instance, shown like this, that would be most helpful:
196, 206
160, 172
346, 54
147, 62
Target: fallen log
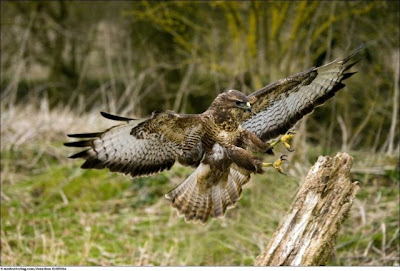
306, 235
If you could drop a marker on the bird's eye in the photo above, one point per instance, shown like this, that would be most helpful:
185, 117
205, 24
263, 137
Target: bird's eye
239, 103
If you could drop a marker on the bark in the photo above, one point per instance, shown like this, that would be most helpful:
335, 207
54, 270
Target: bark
307, 233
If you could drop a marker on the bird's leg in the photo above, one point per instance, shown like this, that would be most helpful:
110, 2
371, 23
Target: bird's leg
277, 164
243, 159
255, 144
284, 140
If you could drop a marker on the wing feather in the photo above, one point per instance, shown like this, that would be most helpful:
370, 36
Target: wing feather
142, 147
280, 105
115, 117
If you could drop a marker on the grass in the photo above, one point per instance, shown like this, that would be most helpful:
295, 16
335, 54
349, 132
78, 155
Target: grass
68, 216
371, 234
54, 213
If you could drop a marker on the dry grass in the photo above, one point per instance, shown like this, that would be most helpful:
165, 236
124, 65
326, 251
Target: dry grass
371, 234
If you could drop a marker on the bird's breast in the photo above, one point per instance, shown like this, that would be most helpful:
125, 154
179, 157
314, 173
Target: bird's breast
218, 152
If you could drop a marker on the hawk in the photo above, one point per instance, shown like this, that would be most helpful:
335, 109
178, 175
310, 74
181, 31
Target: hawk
218, 143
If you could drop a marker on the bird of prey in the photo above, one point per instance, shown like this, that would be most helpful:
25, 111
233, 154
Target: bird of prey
218, 143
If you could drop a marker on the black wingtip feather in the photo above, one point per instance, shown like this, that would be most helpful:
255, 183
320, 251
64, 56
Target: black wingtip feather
335, 89
82, 154
114, 117
348, 66
93, 163
85, 135
347, 75
83, 143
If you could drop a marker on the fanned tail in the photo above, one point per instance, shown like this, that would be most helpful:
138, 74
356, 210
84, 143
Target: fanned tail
196, 201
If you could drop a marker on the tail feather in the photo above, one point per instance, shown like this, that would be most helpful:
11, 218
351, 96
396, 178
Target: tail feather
218, 204
199, 211
203, 211
197, 203
182, 196
227, 199
190, 200
231, 187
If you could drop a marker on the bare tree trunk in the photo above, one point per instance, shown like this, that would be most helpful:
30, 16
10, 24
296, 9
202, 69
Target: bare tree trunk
307, 233
395, 112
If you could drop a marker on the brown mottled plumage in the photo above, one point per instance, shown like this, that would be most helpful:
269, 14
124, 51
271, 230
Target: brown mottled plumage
216, 142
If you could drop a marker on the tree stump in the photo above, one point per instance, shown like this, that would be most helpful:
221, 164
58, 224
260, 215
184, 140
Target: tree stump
307, 233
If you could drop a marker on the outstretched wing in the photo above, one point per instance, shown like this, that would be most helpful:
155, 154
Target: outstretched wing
143, 147
280, 105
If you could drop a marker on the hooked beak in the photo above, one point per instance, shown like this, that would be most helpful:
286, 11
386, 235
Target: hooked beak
248, 106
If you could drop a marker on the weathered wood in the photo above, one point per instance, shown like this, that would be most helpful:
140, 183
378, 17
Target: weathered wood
307, 233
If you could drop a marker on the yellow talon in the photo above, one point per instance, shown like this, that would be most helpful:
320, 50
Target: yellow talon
284, 139
277, 164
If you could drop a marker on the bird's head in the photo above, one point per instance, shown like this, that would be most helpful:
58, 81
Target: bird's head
231, 104
232, 100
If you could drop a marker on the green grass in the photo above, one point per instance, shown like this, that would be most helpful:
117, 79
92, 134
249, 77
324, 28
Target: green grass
54, 213
68, 216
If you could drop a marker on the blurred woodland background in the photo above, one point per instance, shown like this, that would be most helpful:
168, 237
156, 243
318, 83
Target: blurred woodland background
64, 61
